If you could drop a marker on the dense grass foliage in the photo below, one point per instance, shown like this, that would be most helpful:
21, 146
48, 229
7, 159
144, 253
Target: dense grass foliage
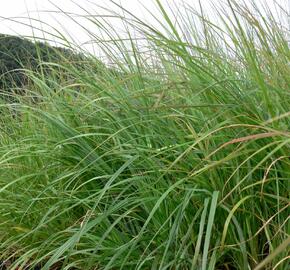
180, 160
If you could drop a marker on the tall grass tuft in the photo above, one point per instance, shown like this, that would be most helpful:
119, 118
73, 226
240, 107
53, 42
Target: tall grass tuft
174, 157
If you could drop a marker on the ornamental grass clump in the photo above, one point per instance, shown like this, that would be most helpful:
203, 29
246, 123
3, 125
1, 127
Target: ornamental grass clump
173, 155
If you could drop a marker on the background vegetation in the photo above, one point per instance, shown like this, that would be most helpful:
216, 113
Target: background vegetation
17, 55
178, 160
